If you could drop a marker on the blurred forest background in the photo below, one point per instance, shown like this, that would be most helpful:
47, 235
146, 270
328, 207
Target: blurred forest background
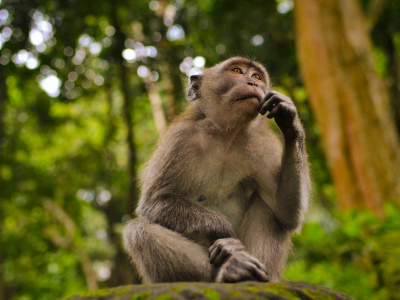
87, 87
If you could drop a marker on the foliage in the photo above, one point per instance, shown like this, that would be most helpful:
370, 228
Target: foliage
64, 154
356, 253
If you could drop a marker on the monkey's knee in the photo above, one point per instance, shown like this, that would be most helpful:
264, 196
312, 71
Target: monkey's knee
162, 255
140, 243
133, 231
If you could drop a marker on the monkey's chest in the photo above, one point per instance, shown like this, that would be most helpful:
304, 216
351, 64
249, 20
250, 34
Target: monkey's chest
220, 186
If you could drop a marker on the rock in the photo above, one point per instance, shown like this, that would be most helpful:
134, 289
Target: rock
215, 291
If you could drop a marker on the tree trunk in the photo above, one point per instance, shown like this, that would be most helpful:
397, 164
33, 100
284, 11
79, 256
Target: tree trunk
122, 271
132, 197
157, 109
128, 112
3, 97
3, 92
166, 54
349, 101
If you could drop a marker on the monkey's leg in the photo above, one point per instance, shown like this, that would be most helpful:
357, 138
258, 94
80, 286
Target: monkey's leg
265, 239
162, 255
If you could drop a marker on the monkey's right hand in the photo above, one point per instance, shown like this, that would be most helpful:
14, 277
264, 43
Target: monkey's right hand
241, 266
223, 249
283, 110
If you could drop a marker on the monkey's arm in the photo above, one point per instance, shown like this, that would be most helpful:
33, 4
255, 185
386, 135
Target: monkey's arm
186, 218
169, 179
293, 191
291, 199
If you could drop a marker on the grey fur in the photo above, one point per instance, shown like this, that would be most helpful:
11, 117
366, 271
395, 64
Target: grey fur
222, 194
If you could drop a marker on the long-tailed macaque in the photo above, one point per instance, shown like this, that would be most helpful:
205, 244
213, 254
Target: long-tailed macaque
222, 194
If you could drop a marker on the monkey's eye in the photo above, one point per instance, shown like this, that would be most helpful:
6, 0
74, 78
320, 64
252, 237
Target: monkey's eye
256, 76
237, 70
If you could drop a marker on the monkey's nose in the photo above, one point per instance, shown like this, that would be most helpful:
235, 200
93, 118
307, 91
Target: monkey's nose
252, 83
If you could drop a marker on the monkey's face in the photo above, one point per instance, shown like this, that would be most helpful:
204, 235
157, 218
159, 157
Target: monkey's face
240, 85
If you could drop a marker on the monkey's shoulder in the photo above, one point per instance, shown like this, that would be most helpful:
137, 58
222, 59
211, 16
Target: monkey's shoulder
196, 138
182, 138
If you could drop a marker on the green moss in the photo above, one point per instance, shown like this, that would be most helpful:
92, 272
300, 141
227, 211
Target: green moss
178, 288
281, 290
164, 297
321, 295
236, 294
97, 293
295, 292
121, 291
141, 296
252, 289
211, 294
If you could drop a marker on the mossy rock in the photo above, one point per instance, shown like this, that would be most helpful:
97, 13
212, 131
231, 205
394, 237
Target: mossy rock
215, 291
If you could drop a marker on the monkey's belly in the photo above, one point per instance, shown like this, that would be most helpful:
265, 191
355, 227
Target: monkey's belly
232, 205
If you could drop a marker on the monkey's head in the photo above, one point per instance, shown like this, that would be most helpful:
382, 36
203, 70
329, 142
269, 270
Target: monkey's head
234, 87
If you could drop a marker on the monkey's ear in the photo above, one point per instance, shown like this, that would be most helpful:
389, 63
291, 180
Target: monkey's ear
194, 87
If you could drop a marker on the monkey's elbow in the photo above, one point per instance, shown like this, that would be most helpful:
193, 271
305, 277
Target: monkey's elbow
296, 223
291, 223
293, 226
134, 232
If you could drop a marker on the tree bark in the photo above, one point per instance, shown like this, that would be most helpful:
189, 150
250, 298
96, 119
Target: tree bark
349, 101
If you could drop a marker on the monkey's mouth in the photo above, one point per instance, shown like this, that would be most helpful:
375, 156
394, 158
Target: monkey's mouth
248, 97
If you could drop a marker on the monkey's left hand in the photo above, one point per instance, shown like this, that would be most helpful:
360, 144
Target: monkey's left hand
234, 263
284, 111
222, 249
241, 266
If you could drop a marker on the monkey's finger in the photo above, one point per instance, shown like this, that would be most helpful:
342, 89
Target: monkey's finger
278, 95
213, 248
258, 274
214, 254
264, 105
221, 258
268, 105
275, 111
273, 102
261, 276
283, 109
272, 99
260, 266
257, 263
269, 95
255, 272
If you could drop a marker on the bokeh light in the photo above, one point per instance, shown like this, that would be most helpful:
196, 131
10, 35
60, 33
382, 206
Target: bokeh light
51, 85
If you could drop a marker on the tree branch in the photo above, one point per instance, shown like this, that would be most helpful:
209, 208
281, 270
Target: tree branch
66, 241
